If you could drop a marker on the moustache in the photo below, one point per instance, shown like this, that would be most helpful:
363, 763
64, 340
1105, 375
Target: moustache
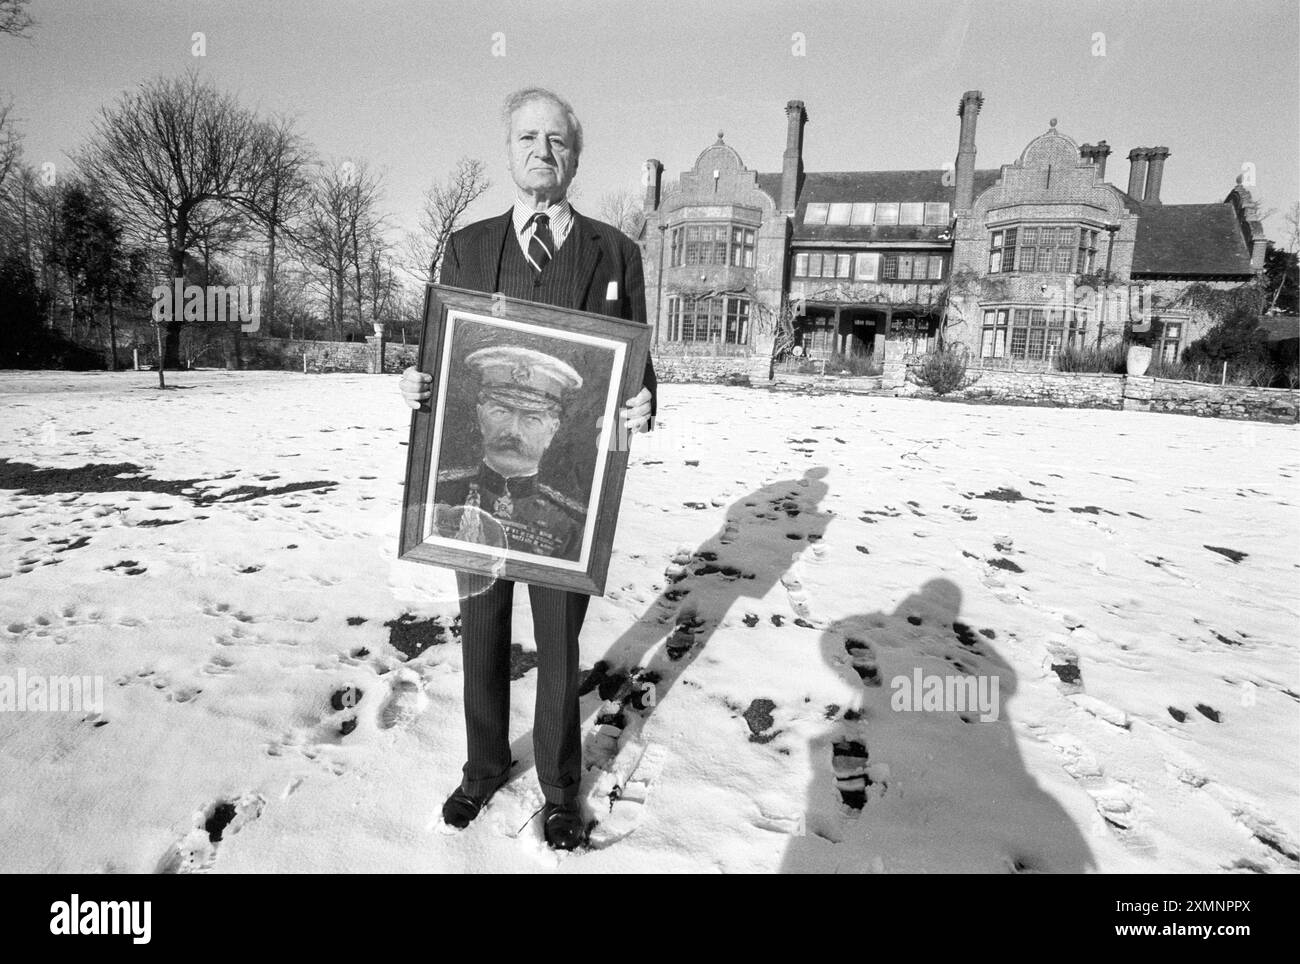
507, 443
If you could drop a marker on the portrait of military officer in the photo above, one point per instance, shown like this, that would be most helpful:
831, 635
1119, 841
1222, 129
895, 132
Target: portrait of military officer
521, 403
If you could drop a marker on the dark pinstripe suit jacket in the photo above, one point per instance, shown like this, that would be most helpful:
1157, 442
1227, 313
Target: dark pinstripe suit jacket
473, 260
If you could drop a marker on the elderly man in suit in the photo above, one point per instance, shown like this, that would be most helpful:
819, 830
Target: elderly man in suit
545, 251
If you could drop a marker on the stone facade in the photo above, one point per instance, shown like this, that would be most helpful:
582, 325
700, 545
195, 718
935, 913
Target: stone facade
1139, 255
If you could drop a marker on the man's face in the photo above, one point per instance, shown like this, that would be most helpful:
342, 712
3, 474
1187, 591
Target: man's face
514, 440
540, 152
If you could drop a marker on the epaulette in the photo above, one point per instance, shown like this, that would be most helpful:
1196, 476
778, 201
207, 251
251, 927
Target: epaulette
577, 508
456, 474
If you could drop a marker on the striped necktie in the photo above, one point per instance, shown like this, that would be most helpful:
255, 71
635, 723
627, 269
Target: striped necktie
542, 245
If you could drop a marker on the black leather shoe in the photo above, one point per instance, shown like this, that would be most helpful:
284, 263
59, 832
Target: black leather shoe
563, 826
462, 807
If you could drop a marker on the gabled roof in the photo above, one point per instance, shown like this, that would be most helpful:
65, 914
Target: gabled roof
865, 186
1189, 239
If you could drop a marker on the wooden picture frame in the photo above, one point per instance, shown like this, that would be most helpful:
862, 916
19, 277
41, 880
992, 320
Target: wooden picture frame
519, 385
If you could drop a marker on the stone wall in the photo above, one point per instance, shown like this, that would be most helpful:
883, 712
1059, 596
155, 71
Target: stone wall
326, 356
1131, 392
1217, 401
1075, 389
712, 364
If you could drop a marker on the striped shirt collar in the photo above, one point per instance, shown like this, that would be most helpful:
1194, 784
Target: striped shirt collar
561, 220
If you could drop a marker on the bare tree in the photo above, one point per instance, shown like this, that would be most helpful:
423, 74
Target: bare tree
166, 153
11, 142
284, 195
14, 18
339, 228
622, 208
444, 207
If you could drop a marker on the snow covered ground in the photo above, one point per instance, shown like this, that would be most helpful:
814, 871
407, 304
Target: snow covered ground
281, 694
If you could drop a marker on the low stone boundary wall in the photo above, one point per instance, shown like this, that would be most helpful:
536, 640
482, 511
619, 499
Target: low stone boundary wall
1066, 389
338, 356
1217, 401
1074, 389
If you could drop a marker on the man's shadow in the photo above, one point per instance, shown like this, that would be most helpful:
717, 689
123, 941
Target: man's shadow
901, 784
762, 535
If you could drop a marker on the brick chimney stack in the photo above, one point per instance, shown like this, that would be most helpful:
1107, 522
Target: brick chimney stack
792, 161
1137, 172
1096, 155
653, 179
968, 110
1155, 173
1103, 152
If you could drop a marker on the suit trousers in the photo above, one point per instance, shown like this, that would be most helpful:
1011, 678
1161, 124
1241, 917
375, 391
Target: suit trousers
485, 610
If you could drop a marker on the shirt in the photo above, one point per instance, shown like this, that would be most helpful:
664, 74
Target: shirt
561, 216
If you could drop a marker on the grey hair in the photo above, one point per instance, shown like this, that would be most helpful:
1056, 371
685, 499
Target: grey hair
527, 95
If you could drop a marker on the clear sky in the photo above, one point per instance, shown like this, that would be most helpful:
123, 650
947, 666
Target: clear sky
411, 85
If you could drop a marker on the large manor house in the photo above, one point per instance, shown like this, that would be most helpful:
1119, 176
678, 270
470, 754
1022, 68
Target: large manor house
1015, 263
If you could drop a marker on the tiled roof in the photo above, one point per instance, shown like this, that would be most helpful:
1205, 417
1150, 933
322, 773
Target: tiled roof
1189, 239
864, 186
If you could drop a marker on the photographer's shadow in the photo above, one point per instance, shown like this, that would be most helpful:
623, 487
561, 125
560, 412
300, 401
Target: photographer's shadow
910, 777
763, 534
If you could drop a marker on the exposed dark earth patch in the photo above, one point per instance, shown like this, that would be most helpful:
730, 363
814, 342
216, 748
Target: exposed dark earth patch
758, 715
1178, 715
66, 544
1068, 672
130, 566
750, 620
128, 477
1232, 554
411, 636
889, 513
1209, 712
1002, 494
1006, 564
965, 635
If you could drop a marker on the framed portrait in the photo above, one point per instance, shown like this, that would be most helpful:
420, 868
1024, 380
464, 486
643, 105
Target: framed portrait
515, 467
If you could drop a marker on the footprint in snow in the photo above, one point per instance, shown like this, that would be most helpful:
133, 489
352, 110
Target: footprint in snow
627, 786
1117, 803
406, 701
196, 852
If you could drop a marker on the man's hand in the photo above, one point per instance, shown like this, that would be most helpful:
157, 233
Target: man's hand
416, 387
636, 411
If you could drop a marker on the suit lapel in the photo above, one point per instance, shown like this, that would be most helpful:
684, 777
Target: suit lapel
589, 256
488, 262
